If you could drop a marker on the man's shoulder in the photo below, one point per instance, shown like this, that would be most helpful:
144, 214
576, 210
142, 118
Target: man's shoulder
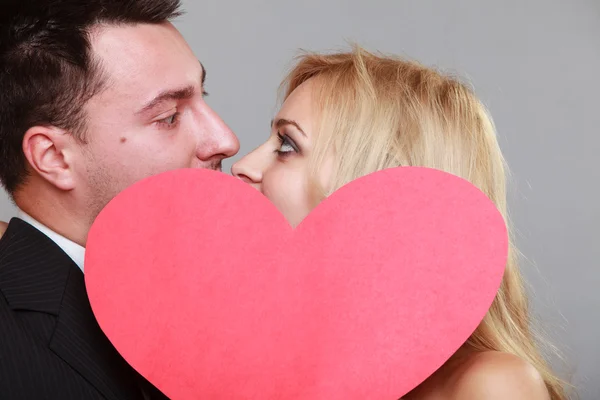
34, 271
496, 375
16, 229
20, 239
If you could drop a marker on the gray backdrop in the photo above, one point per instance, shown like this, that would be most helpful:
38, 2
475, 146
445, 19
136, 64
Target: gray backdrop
534, 62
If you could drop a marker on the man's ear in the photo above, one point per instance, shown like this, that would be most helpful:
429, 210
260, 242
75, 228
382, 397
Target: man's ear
49, 153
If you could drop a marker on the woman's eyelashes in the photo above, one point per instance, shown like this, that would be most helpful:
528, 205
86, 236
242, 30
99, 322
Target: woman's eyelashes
287, 146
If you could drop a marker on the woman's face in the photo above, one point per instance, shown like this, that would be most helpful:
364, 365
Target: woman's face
279, 168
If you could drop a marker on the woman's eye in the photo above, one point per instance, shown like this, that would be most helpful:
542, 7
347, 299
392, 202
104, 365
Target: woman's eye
286, 146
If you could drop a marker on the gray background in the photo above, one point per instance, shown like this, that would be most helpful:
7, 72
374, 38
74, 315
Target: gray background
535, 63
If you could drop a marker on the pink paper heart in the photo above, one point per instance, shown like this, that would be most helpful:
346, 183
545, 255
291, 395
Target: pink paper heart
206, 290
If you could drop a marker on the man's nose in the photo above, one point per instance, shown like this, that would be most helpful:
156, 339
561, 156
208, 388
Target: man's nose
219, 141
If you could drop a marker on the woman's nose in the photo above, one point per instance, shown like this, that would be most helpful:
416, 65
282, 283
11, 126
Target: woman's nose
248, 170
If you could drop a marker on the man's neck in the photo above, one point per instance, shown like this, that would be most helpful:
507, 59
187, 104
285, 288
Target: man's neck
54, 215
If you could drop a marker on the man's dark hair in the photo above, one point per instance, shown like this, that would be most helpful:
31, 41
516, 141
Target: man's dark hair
47, 70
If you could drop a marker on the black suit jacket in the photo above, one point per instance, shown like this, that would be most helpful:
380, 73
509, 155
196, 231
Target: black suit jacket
51, 346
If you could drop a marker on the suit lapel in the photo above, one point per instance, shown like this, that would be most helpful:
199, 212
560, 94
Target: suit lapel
36, 275
79, 341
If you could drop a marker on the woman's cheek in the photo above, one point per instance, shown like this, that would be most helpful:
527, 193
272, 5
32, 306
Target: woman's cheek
288, 192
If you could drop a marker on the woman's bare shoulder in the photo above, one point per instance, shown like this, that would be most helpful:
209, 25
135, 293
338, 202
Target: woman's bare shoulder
3, 226
494, 375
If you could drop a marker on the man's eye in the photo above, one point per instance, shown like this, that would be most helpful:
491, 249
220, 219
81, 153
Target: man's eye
170, 121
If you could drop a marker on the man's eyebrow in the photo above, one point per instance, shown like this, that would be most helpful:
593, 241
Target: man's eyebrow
203, 73
283, 121
177, 94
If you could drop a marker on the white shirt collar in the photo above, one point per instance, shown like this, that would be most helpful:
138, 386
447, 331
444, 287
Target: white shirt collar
73, 250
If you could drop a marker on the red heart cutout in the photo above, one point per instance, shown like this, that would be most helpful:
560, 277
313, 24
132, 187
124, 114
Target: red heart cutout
205, 289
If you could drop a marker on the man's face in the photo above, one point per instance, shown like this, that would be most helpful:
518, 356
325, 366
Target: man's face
152, 117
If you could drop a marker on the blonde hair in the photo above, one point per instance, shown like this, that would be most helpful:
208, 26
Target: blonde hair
383, 111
